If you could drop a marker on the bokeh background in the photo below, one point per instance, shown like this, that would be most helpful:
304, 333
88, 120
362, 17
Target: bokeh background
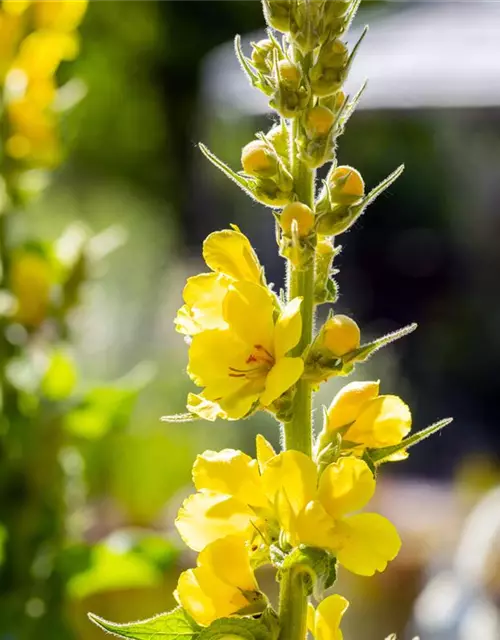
159, 77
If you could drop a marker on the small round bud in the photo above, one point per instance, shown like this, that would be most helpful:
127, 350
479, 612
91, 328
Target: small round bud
334, 54
277, 14
346, 185
278, 137
303, 216
257, 160
262, 55
337, 9
324, 247
319, 121
340, 335
289, 73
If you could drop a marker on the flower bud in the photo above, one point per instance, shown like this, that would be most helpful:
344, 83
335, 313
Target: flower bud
278, 137
346, 185
262, 55
348, 404
289, 73
307, 25
302, 215
31, 280
334, 102
329, 72
340, 335
291, 94
258, 160
277, 14
319, 121
324, 285
317, 147
337, 8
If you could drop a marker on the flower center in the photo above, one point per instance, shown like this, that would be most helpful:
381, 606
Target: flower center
261, 361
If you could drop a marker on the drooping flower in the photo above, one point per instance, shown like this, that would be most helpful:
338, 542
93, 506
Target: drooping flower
231, 258
230, 498
222, 584
245, 364
322, 513
324, 621
366, 419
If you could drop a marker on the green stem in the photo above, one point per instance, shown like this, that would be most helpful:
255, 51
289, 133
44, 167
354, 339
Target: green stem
298, 431
292, 606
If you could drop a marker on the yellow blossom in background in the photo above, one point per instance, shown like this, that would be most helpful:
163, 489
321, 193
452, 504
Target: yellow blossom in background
317, 512
31, 279
230, 498
231, 258
324, 621
222, 584
246, 363
63, 15
368, 420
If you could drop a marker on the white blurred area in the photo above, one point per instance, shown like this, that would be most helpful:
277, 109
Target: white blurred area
416, 55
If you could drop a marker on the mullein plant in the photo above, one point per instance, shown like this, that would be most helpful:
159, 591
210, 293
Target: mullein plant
300, 510
40, 285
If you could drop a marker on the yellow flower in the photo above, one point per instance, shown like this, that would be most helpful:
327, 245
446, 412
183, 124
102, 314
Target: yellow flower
31, 278
317, 512
222, 584
369, 420
63, 15
10, 32
244, 365
41, 53
230, 498
324, 621
340, 335
231, 257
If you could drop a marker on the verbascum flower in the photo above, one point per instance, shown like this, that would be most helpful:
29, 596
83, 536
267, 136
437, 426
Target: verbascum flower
366, 419
230, 499
322, 512
222, 584
245, 365
231, 258
31, 280
63, 15
324, 621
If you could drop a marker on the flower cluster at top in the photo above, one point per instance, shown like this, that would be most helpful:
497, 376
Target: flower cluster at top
35, 37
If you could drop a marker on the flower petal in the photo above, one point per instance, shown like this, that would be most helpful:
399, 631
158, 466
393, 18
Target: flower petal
211, 355
349, 402
288, 328
231, 472
231, 253
328, 617
345, 486
207, 516
292, 473
191, 597
203, 295
228, 558
369, 542
313, 527
264, 450
384, 421
282, 376
248, 310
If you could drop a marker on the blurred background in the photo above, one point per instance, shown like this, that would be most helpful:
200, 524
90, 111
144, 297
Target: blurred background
160, 76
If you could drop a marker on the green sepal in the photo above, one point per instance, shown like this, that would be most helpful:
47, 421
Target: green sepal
245, 628
379, 456
365, 351
173, 625
242, 182
315, 565
270, 619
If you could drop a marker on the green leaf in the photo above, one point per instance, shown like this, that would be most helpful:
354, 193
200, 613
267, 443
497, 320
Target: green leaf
173, 625
246, 628
365, 351
181, 417
380, 455
242, 182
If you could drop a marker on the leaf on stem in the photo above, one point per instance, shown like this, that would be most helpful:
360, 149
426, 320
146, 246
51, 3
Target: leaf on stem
173, 625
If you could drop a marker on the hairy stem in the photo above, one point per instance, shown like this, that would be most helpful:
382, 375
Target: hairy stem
292, 606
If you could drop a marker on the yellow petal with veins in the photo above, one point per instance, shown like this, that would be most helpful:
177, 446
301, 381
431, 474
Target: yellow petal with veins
384, 421
288, 328
282, 376
231, 253
349, 402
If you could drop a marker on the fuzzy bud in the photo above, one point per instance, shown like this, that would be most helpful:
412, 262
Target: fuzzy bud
291, 94
307, 25
289, 73
258, 160
278, 14
324, 285
329, 72
262, 55
319, 121
278, 137
302, 215
346, 185
340, 335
